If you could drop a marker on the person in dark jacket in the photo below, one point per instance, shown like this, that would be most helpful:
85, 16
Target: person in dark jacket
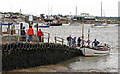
39, 34
69, 39
74, 42
78, 42
23, 33
96, 44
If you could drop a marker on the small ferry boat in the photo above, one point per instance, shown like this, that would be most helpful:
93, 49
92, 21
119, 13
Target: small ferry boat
101, 51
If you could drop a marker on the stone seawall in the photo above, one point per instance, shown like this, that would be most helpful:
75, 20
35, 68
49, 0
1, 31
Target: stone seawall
26, 55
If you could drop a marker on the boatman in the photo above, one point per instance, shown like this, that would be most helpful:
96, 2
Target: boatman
96, 44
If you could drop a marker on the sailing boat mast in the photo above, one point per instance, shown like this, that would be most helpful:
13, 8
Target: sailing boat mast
76, 11
82, 31
101, 12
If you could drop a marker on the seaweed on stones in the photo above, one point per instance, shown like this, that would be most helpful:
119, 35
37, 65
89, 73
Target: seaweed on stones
4, 47
21, 46
41, 56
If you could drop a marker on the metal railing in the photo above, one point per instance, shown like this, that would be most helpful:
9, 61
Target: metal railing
19, 36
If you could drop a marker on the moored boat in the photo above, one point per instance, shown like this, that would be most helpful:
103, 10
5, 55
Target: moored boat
55, 23
5, 23
43, 26
99, 25
101, 51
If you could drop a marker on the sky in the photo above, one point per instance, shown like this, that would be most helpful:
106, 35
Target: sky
65, 7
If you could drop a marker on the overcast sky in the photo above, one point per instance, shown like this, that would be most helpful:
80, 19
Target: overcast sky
36, 7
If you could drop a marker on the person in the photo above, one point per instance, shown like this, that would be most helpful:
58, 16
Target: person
39, 34
69, 39
74, 42
78, 42
12, 29
30, 33
88, 43
23, 33
105, 47
96, 44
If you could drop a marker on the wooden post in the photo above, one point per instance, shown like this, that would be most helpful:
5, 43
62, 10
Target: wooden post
43, 39
18, 36
37, 27
48, 37
8, 29
62, 41
55, 40
26, 38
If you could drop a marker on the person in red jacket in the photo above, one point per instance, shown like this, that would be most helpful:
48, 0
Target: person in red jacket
30, 33
39, 34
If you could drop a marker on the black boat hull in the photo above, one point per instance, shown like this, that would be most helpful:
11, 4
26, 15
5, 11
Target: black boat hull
58, 24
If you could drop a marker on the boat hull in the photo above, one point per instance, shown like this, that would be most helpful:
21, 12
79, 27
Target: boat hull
93, 52
58, 24
44, 26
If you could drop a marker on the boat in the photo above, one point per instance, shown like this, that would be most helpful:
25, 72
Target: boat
103, 25
42, 25
101, 51
91, 51
4, 23
55, 23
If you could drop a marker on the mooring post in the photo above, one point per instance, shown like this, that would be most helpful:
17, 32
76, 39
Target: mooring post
48, 37
43, 39
37, 27
62, 40
55, 39
18, 35
8, 29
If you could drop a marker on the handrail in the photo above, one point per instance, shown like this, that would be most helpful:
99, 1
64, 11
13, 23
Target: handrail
18, 35
56, 39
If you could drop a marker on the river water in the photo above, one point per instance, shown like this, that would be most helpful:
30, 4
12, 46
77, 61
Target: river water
107, 35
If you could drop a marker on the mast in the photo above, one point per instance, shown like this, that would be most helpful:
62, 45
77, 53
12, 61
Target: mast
88, 34
20, 14
48, 9
82, 31
101, 12
76, 11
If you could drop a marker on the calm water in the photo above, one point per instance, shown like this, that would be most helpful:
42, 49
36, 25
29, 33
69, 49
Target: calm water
104, 35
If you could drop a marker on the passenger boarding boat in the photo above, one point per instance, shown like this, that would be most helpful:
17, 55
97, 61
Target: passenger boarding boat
101, 51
